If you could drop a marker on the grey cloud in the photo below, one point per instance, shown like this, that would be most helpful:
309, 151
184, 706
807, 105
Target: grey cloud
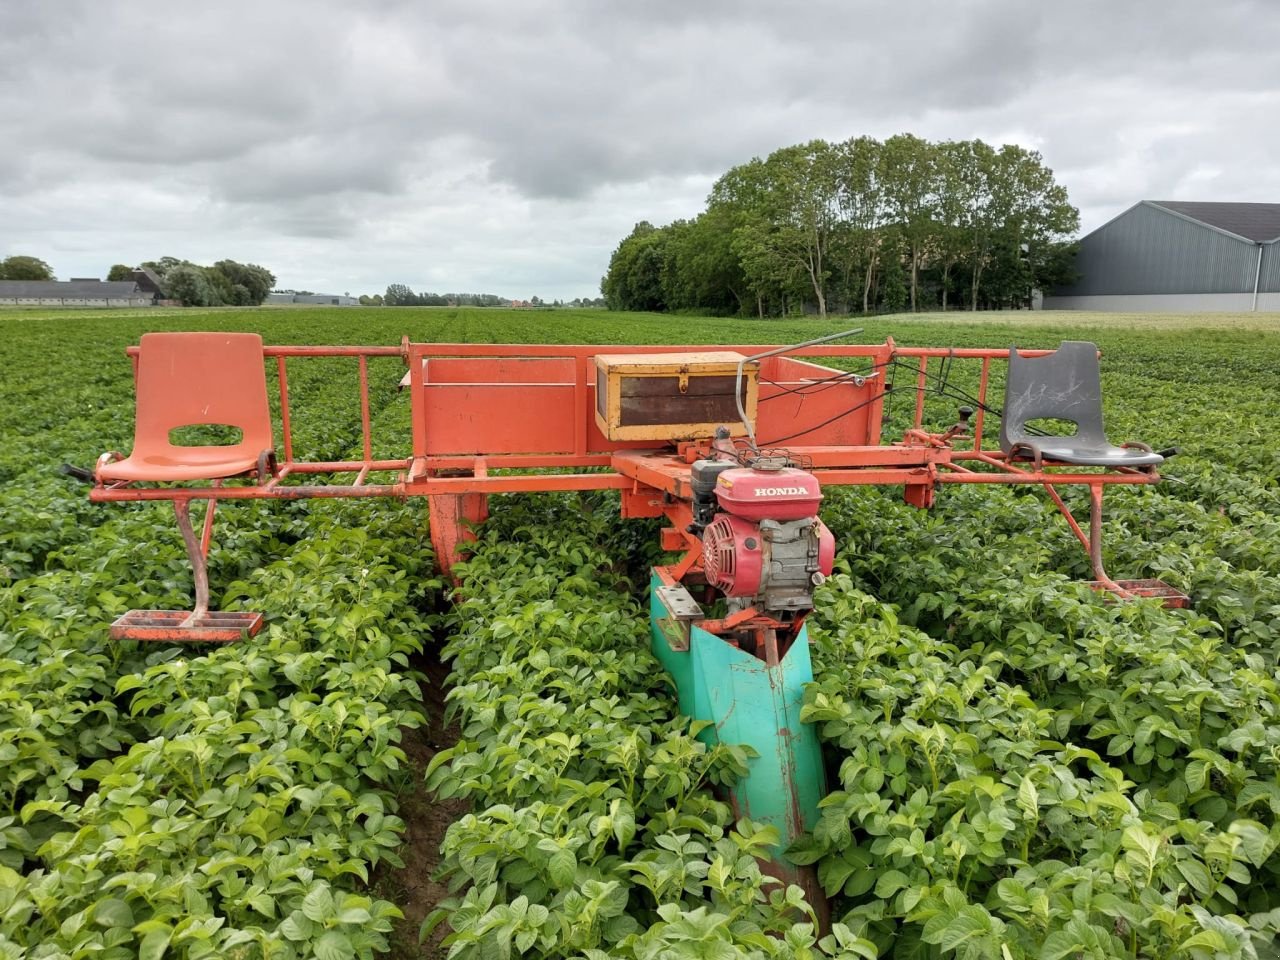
372, 124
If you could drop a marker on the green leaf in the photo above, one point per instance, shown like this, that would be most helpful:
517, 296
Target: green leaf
334, 945
562, 868
317, 905
1028, 798
1141, 849
833, 872
1255, 841
354, 915
971, 922
624, 822
890, 882
297, 927
113, 912
1210, 940
1195, 873
154, 944
1059, 944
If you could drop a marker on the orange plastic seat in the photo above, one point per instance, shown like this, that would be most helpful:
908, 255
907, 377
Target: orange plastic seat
187, 379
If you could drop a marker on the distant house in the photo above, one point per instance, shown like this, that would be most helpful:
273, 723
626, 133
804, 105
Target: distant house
1179, 256
313, 299
81, 292
148, 281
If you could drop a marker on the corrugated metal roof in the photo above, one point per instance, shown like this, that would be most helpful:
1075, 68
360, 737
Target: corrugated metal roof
1258, 222
69, 289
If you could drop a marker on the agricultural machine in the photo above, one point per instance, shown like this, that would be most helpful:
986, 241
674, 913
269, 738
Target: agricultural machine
732, 445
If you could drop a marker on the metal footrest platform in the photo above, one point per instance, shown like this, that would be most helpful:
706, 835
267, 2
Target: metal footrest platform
181, 626
1157, 589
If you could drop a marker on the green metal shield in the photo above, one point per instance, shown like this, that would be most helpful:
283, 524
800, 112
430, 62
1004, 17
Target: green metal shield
750, 703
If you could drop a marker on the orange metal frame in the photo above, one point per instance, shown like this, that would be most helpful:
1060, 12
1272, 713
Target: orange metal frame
478, 408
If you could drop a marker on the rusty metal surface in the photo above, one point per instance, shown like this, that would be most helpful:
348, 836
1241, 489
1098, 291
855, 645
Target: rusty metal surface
1170, 596
181, 626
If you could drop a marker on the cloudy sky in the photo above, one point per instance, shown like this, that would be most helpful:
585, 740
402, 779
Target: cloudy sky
505, 146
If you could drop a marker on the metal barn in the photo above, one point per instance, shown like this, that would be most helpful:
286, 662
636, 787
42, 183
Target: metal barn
1179, 256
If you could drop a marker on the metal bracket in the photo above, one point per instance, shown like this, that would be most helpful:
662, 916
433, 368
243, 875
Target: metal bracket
680, 611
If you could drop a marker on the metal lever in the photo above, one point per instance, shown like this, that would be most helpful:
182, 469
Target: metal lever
78, 473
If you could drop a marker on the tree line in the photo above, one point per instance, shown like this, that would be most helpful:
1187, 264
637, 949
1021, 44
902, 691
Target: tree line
19, 267
858, 225
401, 295
226, 283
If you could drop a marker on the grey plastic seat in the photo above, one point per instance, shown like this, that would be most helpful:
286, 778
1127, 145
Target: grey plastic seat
1063, 385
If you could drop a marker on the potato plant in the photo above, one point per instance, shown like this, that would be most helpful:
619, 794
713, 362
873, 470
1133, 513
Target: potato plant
1018, 768
596, 830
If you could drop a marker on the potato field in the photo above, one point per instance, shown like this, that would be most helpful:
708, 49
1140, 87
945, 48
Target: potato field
1017, 767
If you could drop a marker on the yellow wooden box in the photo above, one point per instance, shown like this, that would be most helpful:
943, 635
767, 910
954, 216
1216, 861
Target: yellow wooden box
672, 396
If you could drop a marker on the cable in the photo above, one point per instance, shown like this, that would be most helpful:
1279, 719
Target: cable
956, 393
818, 426
941, 386
826, 383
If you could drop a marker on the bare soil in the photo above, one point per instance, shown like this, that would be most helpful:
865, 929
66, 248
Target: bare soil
413, 887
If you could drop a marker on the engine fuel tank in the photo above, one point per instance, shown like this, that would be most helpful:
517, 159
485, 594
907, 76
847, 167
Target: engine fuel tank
786, 494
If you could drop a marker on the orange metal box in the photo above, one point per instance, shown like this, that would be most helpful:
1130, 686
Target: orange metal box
672, 396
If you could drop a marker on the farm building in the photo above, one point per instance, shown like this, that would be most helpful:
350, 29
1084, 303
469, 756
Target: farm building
78, 293
313, 299
1179, 256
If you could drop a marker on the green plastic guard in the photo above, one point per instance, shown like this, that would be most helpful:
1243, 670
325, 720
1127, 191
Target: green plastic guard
748, 702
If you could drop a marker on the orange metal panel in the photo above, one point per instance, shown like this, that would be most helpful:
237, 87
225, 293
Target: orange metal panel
498, 370
451, 518
796, 394
672, 539
641, 501
662, 471
529, 483
495, 419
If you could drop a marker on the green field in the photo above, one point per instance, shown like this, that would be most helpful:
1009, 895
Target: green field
1017, 767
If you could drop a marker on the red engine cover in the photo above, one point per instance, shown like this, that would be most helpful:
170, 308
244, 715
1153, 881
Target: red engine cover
730, 565
733, 561
787, 494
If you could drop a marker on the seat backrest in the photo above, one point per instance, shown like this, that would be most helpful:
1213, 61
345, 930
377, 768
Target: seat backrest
1063, 385
186, 379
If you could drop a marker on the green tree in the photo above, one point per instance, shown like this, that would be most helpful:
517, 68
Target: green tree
1015, 201
812, 222
162, 266
634, 280
399, 295
248, 283
894, 292
910, 175
1053, 264
701, 270
864, 210
187, 283
788, 208
957, 180
24, 268
120, 272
